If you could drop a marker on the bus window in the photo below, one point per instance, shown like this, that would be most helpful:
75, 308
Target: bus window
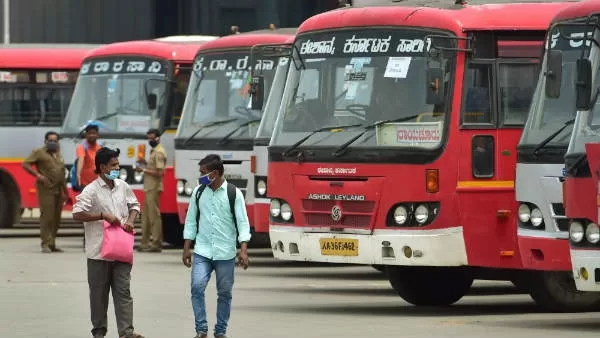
516, 85
477, 106
180, 88
482, 156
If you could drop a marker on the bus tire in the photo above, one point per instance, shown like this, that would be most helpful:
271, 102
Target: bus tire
172, 229
555, 291
378, 267
429, 286
10, 205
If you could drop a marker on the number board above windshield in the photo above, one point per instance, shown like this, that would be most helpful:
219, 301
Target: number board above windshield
232, 62
403, 42
576, 33
124, 65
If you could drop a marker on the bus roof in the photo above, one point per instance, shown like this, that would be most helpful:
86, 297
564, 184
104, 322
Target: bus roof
249, 39
578, 10
43, 56
506, 16
177, 48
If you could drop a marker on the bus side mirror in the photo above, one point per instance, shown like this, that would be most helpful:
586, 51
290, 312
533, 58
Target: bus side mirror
435, 86
151, 99
583, 85
553, 73
257, 88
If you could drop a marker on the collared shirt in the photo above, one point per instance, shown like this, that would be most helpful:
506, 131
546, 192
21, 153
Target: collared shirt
50, 165
158, 160
98, 197
215, 237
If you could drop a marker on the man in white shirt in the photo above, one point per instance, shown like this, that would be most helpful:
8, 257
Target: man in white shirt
107, 199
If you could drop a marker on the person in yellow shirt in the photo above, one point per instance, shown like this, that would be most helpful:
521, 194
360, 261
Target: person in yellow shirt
154, 170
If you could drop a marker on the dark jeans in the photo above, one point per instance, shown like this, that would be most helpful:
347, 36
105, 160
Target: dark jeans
102, 277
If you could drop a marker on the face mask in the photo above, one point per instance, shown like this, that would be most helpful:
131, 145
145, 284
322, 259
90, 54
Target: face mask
153, 143
205, 179
52, 146
112, 175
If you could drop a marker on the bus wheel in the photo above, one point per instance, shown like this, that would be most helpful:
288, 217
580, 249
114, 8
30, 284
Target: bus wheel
8, 215
555, 291
172, 229
429, 286
380, 268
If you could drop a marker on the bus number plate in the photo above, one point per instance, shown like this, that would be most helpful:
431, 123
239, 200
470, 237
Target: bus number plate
338, 246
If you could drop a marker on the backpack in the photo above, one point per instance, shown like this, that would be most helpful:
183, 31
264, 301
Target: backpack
74, 185
231, 194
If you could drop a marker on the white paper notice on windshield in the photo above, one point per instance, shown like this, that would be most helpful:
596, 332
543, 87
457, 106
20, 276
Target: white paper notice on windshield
134, 123
397, 67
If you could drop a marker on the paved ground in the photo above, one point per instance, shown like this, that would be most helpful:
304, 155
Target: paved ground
45, 295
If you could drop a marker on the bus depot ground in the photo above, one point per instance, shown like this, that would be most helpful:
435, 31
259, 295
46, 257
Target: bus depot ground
46, 295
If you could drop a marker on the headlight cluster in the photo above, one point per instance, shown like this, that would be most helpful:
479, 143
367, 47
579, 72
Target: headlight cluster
260, 183
531, 216
413, 214
185, 188
590, 232
280, 211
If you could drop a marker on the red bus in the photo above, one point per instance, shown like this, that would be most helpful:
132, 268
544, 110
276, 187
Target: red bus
582, 161
396, 143
218, 115
36, 84
128, 88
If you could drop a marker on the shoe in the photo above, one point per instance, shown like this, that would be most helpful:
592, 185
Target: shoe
154, 249
201, 335
55, 249
132, 335
220, 336
142, 249
98, 335
46, 249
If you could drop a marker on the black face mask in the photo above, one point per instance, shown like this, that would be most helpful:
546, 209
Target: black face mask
52, 146
153, 143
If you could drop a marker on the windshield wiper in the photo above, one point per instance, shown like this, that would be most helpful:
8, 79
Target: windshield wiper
245, 124
210, 124
107, 116
551, 137
300, 141
342, 149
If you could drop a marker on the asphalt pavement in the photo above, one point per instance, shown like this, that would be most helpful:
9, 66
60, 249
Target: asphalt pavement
46, 295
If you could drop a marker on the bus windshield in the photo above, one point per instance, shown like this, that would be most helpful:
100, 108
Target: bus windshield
114, 93
35, 97
265, 130
587, 124
361, 77
219, 91
547, 114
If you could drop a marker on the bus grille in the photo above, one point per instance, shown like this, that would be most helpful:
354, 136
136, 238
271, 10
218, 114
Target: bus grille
559, 216
354, 213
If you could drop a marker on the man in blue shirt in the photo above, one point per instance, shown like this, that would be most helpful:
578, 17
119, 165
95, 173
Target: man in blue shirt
215, 246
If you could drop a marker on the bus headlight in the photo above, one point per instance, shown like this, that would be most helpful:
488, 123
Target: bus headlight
421, 214
261, 187
536, 217
189, 188
576, 232
138, 176
400, 215
592, 233
286, 212
123, 174
180, 187
524, 213
275, 208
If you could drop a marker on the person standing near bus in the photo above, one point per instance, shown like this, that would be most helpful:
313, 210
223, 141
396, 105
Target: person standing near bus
86, 156
154, 171
51, 186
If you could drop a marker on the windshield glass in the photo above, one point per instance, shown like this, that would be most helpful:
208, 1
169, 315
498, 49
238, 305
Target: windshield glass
219, 90
265, 130
114, 91
361, 77
35, 98
548, 114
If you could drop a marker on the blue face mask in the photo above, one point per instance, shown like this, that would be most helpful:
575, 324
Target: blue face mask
205, 179
112, 175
